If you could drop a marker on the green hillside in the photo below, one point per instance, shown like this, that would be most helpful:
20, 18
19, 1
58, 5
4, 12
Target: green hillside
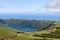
52, 33
10, 34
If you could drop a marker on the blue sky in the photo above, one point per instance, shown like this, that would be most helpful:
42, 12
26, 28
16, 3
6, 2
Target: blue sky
30, 9
23, 6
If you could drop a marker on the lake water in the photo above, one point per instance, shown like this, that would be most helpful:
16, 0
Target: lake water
48, 16
22, 28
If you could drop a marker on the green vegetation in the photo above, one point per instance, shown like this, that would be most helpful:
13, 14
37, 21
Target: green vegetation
48, 30
41, 24
10, 34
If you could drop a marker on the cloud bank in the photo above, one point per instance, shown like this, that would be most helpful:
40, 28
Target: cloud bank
54, 4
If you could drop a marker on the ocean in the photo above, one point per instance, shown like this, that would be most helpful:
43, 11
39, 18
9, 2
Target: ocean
31, 16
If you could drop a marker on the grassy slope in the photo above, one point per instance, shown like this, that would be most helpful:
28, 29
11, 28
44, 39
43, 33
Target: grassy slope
7, 33
51, 33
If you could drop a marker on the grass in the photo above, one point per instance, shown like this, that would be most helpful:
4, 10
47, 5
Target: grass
5, 32
38, 35
8, 33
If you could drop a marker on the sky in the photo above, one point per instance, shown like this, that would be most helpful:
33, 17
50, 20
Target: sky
28, 6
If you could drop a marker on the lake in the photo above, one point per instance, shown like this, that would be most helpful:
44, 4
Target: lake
22, 28
37, 16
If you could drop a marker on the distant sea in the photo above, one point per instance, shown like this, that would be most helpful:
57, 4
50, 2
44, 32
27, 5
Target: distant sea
31, 16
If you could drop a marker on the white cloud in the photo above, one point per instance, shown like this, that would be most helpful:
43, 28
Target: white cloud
53, 10
48, 10
4, 10
54, 4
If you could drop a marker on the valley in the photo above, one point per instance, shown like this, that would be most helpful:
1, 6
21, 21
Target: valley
46, 30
